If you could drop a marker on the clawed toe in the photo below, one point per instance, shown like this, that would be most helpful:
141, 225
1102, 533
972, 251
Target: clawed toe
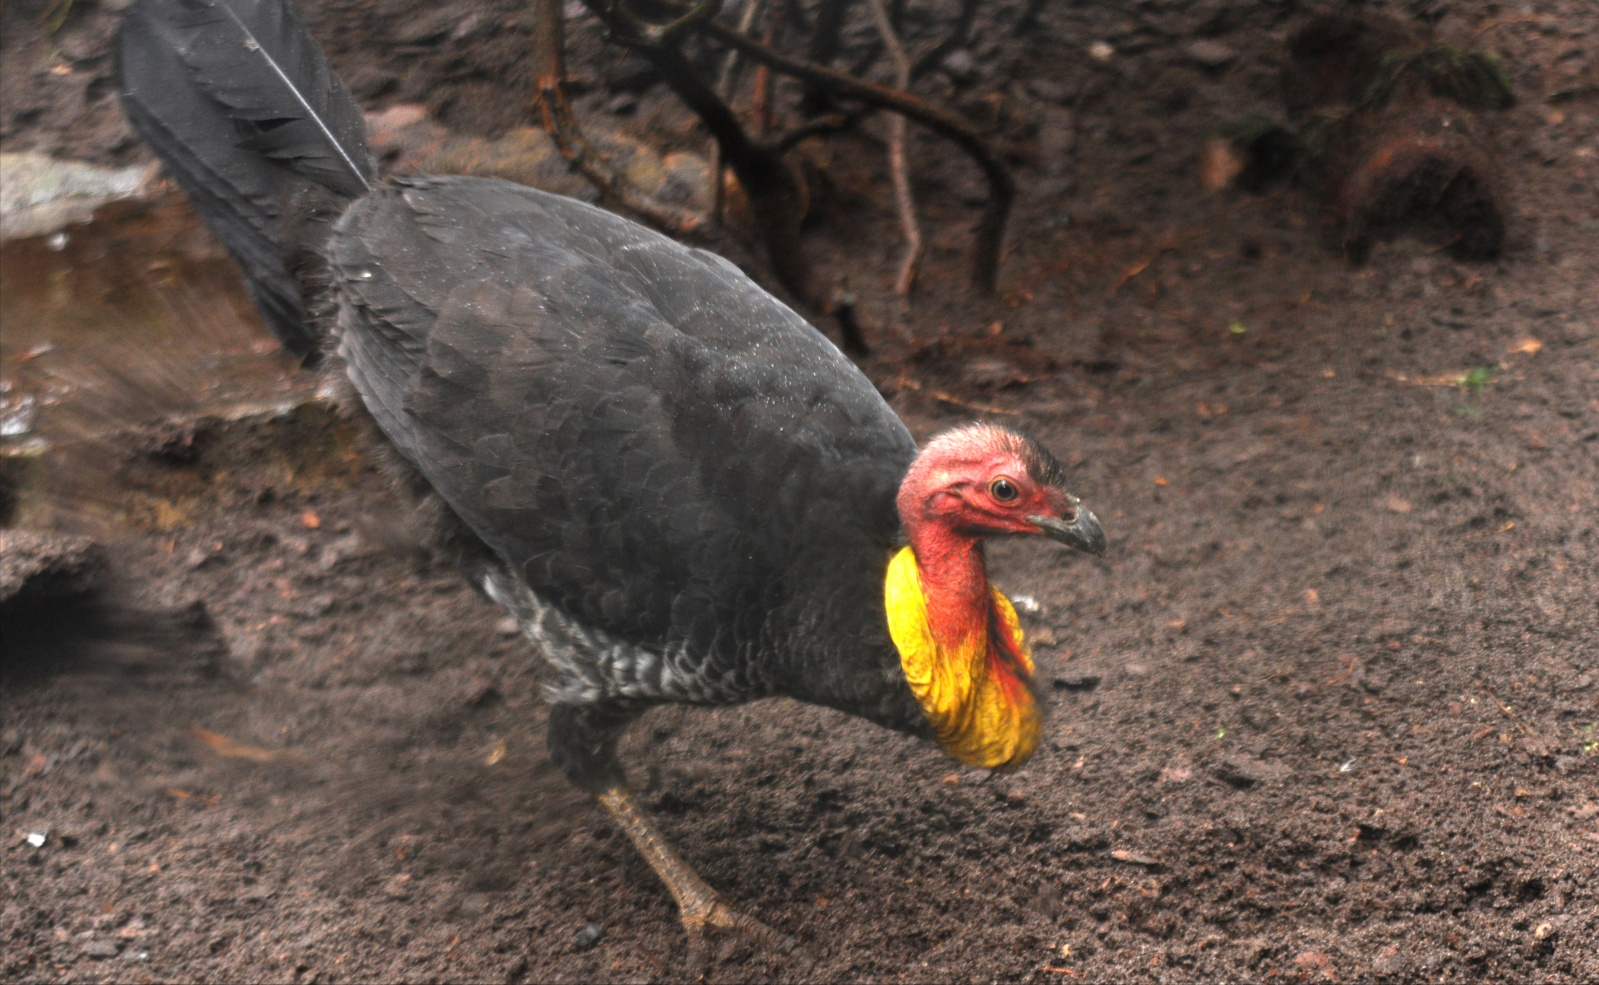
714, 916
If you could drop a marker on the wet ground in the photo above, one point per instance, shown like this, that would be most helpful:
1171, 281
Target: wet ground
1326, 712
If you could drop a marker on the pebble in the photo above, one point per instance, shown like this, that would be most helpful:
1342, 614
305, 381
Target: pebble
398, 887
1244, 772
1076, 680
99, 950
588, 937
1211, 54
960, 65
1176, 775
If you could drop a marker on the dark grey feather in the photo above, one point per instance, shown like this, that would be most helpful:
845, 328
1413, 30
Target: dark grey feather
257, 59
234, 136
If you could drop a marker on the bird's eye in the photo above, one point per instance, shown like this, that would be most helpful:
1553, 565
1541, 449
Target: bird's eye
1004, 490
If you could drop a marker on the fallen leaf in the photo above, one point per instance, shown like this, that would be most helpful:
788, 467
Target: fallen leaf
224, 746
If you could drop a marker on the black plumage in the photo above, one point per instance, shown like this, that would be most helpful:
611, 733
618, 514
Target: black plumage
667, 457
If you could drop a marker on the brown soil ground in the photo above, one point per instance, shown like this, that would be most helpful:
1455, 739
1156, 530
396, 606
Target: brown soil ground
1326, 712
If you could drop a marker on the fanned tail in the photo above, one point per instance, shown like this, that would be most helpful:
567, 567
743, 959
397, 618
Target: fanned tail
239, 103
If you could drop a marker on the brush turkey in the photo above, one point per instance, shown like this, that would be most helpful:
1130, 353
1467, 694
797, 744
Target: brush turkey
680, 489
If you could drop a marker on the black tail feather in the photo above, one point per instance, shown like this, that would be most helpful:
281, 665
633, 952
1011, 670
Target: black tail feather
237, 100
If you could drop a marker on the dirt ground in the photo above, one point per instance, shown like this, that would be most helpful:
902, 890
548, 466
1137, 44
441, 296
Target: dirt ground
1328, 711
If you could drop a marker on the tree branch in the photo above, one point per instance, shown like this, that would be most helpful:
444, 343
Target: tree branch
776, 193
1001, 184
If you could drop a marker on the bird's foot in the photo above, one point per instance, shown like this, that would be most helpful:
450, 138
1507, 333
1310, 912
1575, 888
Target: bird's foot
707, 914
710, 922
703, 911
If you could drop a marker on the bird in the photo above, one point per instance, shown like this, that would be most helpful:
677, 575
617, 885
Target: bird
680, 489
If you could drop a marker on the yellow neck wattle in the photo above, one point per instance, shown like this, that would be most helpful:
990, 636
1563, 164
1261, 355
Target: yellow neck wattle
971, 683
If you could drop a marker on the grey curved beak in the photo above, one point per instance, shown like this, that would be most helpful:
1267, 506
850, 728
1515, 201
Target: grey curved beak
1083, 533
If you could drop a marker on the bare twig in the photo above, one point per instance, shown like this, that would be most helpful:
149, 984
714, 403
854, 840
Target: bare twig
724, 87
897, 164
1001, 184
831, 123
549, 67
641, 32
849, 325
1163, 246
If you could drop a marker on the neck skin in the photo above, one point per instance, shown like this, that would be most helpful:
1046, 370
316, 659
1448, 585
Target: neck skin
954, 575
954, 580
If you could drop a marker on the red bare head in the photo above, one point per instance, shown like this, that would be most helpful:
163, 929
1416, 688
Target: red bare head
981, 480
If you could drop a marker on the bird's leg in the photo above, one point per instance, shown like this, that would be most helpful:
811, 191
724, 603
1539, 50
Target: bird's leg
701, 908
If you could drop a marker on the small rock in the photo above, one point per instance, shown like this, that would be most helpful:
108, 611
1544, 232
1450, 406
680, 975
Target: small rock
479, 693
1101, 51
1314, 962
1220, 164
960, 65
1244, 772
1210, 54
1546, 930
507, 626
622, 104
398, 887
1175, 775
100, 950
516, 967
1389, 961
1076, 680
588, 937
1027, 604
